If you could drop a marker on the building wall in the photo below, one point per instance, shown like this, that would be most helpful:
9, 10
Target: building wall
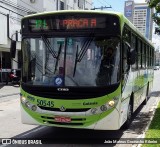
31, 6
9, 24
129, 10
141, 17
49, 5
157, 57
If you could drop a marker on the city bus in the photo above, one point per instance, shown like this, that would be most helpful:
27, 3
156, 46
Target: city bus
70, 80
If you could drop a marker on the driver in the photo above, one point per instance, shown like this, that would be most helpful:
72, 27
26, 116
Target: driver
107, 64
108, 58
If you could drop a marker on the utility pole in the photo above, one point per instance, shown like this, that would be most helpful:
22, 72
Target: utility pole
101, 8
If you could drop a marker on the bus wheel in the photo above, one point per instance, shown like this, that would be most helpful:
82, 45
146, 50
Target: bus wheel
129, 117
145, 101
147, 96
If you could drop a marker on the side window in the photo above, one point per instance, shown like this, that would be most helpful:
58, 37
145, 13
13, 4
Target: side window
133, 41
149, 58
146, 52
125, 50
143, 55
134, 46
127, 35
139, 53
124, 57
152, 56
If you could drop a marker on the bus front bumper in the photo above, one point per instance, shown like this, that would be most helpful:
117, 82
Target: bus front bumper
104, 121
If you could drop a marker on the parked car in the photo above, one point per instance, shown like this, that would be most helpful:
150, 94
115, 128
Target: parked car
156, 67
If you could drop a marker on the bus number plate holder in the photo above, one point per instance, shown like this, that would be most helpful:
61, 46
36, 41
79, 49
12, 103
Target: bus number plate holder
62, 119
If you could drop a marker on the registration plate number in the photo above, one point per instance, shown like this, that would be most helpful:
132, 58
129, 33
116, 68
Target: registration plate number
62, 119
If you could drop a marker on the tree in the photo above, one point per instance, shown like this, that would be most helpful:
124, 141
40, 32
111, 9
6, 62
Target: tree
156, 16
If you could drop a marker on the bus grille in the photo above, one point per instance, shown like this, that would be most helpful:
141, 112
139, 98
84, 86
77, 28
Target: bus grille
67, 110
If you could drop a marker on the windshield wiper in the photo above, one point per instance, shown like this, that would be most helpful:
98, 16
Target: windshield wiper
47, 43
75, 63
53, 53
59, 52
84, 49
80, 55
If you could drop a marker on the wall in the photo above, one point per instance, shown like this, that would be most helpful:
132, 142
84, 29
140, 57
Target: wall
31, 5
49, 5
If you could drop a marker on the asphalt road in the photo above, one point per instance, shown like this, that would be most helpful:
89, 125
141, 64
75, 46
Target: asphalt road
11, 125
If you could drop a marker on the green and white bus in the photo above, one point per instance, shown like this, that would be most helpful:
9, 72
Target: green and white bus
69, 79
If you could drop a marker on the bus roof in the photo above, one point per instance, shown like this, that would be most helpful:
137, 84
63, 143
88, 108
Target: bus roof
123, 19
72, 11
126, 21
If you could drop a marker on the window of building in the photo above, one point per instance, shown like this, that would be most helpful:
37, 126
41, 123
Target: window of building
32, 1
80, 3
61, 5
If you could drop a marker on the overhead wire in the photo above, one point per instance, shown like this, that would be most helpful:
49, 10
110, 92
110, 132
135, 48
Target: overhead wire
102, 3
109, 5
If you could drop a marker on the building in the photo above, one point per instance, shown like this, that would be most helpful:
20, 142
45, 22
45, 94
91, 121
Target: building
141, 17
157, 57
11, 13
53, 5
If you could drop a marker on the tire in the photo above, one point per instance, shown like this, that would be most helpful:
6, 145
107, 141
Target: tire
145, 101
129, 117
146, 98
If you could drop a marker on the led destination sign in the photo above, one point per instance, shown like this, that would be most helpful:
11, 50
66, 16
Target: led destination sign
80, 23
48, 24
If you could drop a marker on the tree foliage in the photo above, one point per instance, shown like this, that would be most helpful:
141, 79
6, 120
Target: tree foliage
156, 16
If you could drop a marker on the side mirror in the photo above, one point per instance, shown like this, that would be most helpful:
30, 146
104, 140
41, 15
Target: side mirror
13, 49
131, 57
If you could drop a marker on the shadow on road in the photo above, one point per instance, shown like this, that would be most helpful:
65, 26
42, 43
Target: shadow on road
141, 118
72, 136
140, 121
155, 94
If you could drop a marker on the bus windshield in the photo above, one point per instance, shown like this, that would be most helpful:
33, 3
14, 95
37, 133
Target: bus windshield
71, 61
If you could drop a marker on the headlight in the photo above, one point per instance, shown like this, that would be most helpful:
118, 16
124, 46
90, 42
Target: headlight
25, 102
111, 103
23, 99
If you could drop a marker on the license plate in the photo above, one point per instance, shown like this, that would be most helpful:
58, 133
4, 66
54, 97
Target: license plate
62, 119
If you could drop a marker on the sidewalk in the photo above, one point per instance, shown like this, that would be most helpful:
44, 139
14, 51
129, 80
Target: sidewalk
7, 90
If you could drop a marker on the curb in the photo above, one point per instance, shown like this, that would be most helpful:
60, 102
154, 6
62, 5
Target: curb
147, 127
9, 95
